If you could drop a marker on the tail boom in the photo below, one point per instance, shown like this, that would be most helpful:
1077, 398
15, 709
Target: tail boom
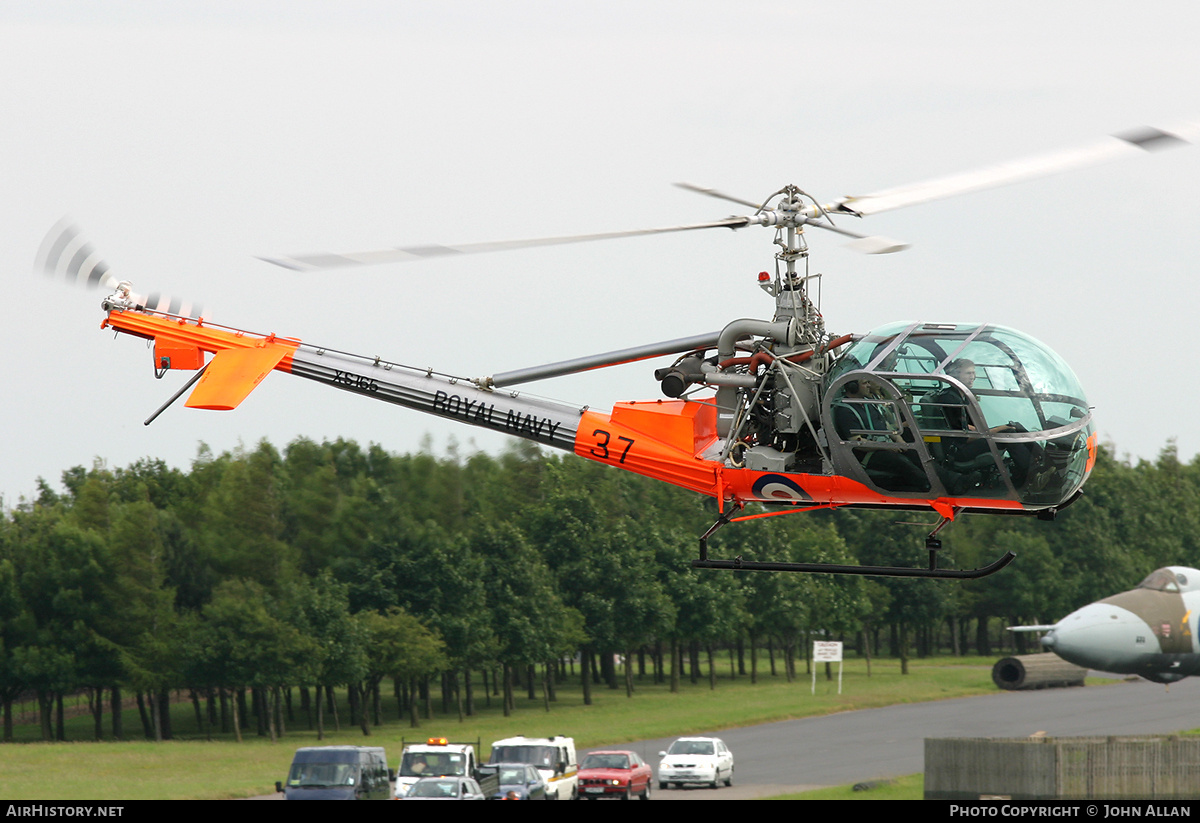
243, 359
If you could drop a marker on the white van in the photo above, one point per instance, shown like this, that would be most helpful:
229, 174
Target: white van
436, 757
553, 757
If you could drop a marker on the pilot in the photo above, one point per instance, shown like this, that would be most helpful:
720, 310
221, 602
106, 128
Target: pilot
974, 453
954, 405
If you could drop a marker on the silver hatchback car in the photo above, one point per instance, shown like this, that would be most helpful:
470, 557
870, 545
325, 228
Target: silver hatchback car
444, 788
704, 760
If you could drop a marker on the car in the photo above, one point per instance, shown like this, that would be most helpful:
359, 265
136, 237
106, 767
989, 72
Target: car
518, 781
705, 760
614, 773
444, 788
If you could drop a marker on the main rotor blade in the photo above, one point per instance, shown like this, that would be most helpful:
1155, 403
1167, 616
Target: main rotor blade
719, 195
319, 261
864, 244
600, 361
1109, 148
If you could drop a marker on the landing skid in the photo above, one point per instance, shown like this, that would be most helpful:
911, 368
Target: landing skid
932, 543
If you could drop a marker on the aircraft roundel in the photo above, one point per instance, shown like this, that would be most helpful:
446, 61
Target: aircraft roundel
778, 488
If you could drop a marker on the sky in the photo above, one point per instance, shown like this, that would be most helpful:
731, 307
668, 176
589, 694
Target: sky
187, 138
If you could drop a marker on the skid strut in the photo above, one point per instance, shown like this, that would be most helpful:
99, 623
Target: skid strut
932, 543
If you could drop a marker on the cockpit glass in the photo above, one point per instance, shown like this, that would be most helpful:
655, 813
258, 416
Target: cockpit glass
977, 395
1015, 378
869, 421
1160, 580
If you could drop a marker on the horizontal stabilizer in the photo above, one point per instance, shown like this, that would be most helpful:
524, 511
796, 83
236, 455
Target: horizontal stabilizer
1030, 628
232, 374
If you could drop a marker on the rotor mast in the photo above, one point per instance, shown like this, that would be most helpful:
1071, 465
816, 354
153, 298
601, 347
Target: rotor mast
790, 285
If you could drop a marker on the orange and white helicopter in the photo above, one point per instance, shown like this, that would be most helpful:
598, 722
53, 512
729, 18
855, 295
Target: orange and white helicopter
940, 417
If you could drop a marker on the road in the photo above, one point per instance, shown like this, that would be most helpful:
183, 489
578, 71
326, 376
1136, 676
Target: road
838, 749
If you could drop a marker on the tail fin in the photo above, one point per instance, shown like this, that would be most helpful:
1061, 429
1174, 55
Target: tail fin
232, 374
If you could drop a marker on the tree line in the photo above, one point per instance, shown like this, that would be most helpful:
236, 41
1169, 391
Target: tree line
330, 566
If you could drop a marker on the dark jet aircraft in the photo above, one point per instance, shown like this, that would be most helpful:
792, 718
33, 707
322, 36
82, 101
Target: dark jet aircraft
1150, 631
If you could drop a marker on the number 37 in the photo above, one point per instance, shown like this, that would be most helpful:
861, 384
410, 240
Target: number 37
601, 450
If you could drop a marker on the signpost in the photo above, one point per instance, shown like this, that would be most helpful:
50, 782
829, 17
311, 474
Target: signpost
827, 651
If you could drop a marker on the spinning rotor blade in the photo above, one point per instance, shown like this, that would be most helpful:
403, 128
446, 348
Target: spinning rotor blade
319, 261
1109, 148
719, 195
600, 361
864, 244
64, 252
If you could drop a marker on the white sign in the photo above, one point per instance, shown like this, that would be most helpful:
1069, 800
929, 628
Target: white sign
827, 651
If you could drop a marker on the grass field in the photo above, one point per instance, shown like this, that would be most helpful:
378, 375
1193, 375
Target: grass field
198, 769
909, 787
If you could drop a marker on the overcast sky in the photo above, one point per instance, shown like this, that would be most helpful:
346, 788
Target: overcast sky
187, 137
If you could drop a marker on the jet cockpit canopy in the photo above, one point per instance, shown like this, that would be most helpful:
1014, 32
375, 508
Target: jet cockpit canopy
1171, 579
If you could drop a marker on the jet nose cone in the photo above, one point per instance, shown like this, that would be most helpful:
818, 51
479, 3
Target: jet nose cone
1099, 636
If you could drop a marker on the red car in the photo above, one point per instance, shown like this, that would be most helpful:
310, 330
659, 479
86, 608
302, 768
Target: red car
614, 774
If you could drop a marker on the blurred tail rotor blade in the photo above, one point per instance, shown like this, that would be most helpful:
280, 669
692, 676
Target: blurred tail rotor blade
319, 261
64, 252
1016, 171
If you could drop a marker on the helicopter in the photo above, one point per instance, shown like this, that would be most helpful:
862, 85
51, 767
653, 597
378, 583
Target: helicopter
941, 418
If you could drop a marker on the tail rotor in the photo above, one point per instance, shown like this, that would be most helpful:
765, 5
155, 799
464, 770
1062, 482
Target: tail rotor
66, 254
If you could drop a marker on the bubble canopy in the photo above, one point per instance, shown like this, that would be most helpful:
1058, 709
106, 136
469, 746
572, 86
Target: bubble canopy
961, 410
